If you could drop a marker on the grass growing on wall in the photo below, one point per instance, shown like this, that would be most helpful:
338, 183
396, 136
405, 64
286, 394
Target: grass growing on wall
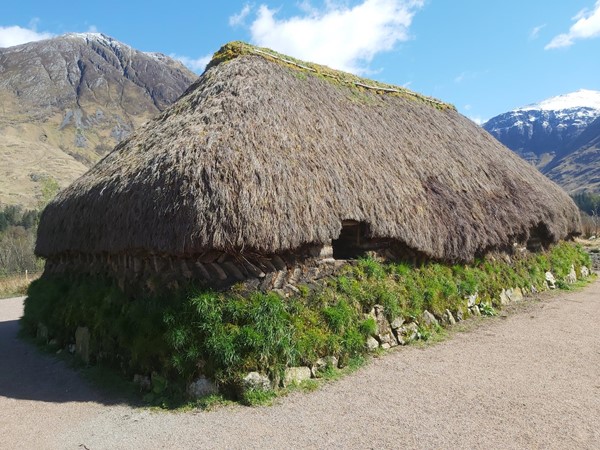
224, 336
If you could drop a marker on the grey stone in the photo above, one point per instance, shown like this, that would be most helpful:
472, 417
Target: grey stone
279, 280
82, 343
396, 323
327, 361
511, 295
550, 280
475, 310
449, 318
384, 333
429, 319
585, 272
459, 316
407, 333
472, 300
515, 294
372, 343
572, 276
255, 380
296, 375
323, 363
504, 297
202, 387
291, 288
533, 289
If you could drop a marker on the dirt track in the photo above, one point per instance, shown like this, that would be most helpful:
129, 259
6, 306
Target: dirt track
531, 380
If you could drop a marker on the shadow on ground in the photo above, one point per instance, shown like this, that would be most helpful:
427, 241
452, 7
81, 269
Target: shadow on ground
26, 372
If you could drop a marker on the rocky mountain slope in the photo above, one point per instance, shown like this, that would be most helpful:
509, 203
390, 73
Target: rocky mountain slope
66, 101
550, 135
579, 169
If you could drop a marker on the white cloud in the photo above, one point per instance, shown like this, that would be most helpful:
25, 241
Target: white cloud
239, 18
197, 65
535, 32
16, 35
92, 29
338, 36
586, 26
478, 120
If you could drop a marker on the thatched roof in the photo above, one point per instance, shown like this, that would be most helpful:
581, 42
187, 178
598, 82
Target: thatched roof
266, 153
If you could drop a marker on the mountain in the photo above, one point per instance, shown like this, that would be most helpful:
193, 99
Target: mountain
65, 102
544, 131
560, 136
579, 169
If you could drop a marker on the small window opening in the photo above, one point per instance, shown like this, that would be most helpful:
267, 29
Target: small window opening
351, 244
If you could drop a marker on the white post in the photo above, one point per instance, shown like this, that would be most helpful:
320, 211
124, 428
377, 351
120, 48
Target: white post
26, 276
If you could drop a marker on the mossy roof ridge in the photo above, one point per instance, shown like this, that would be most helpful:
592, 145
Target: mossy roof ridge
236, 49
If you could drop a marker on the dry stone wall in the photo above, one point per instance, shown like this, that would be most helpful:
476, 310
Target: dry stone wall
282, 273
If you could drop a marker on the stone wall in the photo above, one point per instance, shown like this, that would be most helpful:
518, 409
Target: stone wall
281, 272
595, 254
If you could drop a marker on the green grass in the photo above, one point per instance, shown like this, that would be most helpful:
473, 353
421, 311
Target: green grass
258, 397
175, 337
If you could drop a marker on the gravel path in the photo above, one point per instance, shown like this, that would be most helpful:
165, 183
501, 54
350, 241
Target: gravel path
529, 380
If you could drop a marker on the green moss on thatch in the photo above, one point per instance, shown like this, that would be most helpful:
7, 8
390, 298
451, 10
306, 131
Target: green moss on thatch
236, 49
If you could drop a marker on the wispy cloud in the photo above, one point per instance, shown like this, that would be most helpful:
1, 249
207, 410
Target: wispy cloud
460, 78
195, 64
586, 26
478, 120
535, 32
239, 18
15, 35
469, 75
337, 35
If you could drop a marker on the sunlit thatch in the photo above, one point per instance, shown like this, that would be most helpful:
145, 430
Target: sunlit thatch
266, 155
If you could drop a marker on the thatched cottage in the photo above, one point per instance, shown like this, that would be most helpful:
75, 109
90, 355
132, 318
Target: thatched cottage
268, 168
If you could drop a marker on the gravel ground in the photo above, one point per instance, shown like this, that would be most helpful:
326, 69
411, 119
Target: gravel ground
527, 380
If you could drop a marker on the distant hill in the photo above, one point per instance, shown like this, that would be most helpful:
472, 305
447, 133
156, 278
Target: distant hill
65, 102
558, 135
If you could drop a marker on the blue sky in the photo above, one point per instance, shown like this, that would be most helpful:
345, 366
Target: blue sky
486, 57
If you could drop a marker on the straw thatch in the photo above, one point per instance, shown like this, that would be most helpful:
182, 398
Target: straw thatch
266, 154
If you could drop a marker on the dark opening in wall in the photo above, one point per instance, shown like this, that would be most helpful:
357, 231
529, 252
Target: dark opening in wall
351, 244
539, 238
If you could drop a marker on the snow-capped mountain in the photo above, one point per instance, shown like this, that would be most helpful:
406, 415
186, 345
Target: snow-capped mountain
583, 98
543, 131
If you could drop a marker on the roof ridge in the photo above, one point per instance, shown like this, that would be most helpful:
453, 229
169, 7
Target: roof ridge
236, 49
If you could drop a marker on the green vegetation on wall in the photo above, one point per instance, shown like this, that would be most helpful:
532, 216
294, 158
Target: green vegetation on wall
228, 334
